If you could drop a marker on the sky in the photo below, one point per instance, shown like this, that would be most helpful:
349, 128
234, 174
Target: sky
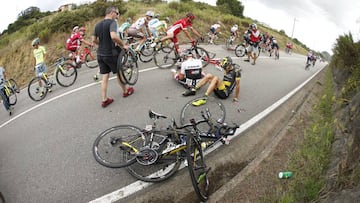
318, 23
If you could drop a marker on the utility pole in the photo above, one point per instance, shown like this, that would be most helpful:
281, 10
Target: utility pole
292, 33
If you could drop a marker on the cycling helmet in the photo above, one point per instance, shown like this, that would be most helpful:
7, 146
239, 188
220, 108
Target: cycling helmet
36, 41
150, 13
225, 62
75, 28
190, 16
82, 29
128, 20
235, 25
167, 19
157, 15
253, 26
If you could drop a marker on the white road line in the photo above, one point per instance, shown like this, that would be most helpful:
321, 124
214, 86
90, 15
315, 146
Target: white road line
59, 96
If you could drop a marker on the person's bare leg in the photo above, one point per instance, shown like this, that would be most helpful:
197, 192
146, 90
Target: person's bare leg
122, 85
213, 84
104, 84
208, 77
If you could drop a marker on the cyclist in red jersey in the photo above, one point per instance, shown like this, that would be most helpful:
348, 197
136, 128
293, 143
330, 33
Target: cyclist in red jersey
181, 25
253, 43
73, 44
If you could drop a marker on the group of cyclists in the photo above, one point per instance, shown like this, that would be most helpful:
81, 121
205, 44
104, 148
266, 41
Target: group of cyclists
151, 25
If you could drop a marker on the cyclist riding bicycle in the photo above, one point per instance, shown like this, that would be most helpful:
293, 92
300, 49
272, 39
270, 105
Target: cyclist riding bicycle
181, 25
274, 45
214, 31
73, 43
3, 95
123, 29
222, 88
190, 71
159, 26
140, 29
234, 32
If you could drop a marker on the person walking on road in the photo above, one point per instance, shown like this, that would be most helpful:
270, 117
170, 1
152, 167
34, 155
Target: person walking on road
109, 47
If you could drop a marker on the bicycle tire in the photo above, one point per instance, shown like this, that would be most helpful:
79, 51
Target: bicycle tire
109, 152
14, 85
35, 90
163, 168
201, 53
197, 168
164, 59
215, 106
66, 75
91, 61
240, 50
12, 97
129, 70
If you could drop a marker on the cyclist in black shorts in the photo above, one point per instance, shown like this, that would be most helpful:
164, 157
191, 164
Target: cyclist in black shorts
221, 88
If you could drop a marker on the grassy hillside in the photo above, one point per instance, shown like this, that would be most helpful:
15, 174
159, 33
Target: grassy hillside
54, 29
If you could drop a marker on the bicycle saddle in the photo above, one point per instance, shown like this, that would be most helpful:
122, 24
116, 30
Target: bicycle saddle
153, 114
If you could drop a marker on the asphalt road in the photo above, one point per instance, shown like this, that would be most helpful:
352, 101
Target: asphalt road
45, 147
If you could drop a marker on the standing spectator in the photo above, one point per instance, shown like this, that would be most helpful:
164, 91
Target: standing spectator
254, 40
107, 38
3, 95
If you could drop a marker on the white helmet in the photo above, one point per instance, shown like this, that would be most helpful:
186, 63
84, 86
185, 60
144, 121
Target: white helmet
150, 13
235, 25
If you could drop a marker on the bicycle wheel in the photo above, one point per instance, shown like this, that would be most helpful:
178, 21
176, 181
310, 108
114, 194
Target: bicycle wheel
66, 74
37, 89
201, 53
91, 60
146, 53
215, 106
164, 59
240, 50
14, 85
197, 167
12, 97
117, 146
154, 167
129, 70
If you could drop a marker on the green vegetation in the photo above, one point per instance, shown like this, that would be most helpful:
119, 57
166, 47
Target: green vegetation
310, 162
337, 114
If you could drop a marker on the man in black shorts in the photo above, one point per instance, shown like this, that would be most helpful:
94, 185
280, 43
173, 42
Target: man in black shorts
105, 35
221, 88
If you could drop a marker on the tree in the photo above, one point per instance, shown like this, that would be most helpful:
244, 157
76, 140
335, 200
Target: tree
233, 7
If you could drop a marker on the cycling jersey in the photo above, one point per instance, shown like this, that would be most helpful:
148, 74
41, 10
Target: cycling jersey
254, 36
152, 22
39, 54
74, 41
214, 27
192, 71
228, 83
154, 28
124, 27
139, 24
177, 27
